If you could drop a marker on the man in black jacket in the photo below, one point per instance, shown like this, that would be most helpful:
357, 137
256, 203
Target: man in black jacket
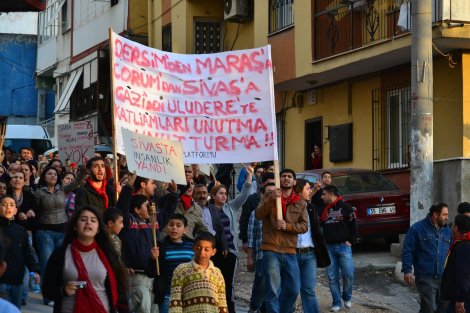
340, 232
455, 282
93, 193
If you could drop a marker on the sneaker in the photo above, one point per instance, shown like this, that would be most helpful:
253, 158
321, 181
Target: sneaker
23, 302
348, 304
50, 303
335, 308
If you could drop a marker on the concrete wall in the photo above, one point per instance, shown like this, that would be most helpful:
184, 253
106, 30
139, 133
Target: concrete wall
447, 110
344, 102
464, 85
92, 21
451, 178
17, 66
182, 15
138, 17
25, 23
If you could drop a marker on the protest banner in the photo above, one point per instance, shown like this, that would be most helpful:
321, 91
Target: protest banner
205, 169
154, 158
76, 141
219, 106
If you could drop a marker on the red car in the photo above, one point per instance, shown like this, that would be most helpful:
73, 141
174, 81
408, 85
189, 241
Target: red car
382, 209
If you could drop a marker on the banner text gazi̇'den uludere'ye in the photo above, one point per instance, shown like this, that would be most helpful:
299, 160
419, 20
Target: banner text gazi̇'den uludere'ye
219, 106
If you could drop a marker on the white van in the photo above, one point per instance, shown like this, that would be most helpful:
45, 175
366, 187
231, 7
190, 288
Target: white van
31, 136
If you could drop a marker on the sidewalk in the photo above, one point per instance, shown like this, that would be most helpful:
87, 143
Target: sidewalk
34, 305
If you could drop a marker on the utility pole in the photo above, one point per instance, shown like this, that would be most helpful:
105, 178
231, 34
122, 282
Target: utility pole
421, 109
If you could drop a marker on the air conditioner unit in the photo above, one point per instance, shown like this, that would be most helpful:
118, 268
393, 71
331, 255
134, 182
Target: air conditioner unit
235, 10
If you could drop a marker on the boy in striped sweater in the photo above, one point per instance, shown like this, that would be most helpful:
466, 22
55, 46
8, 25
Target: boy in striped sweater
198, 286
175, 249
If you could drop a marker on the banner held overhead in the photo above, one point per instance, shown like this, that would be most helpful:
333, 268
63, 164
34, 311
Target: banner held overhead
219, 106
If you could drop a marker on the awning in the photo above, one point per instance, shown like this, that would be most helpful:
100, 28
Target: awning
22, 5
67, 92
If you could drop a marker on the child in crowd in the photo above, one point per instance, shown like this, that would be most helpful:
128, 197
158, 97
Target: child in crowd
5, 306
175, 249
138, 252
19, 252
198, 286
113, 219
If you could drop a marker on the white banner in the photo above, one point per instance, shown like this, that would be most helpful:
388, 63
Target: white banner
154, 158
76, 141
219, 106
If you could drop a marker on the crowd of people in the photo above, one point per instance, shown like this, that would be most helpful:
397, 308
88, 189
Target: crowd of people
163, 247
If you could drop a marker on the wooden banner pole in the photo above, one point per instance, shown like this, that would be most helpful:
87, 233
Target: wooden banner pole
277, 182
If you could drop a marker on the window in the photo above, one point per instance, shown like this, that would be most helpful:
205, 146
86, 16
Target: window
83, 101
49, 21
166, 38
281, 14
65, 15
88, 10
207, 37
392, 126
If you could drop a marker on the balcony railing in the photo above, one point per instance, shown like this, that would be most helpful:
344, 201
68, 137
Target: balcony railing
345, 25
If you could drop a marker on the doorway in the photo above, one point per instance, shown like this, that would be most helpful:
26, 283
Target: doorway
313, 136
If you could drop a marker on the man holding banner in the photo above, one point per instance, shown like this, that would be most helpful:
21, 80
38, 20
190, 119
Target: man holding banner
281, 269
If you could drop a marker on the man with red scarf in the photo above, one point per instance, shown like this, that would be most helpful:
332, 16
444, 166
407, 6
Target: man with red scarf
455, 283
340, 232
93, 193
281, 269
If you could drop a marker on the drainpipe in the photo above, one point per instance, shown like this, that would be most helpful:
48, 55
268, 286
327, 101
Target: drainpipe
421, 109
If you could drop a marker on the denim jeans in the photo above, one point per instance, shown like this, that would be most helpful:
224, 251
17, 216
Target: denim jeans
341, 260
259, 287
12, 293
281, 274
25, 286
47, 241
165, 306
308, 279
429, 295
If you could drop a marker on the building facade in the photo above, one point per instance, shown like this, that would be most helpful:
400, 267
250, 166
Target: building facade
73, 55
22, 103
342, 74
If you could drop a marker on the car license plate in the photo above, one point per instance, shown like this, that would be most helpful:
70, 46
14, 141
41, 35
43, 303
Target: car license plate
381, 210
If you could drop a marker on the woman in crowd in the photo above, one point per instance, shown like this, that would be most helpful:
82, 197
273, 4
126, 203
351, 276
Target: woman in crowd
66, 180
27, 170
85, 274
57, 164
225, 213
34, 172
312, 251
24, 200
51, 215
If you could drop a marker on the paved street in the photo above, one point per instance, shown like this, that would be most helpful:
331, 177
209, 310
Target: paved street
375, 288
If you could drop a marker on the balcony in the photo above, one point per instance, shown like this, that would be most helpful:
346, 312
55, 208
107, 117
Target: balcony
346, 25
